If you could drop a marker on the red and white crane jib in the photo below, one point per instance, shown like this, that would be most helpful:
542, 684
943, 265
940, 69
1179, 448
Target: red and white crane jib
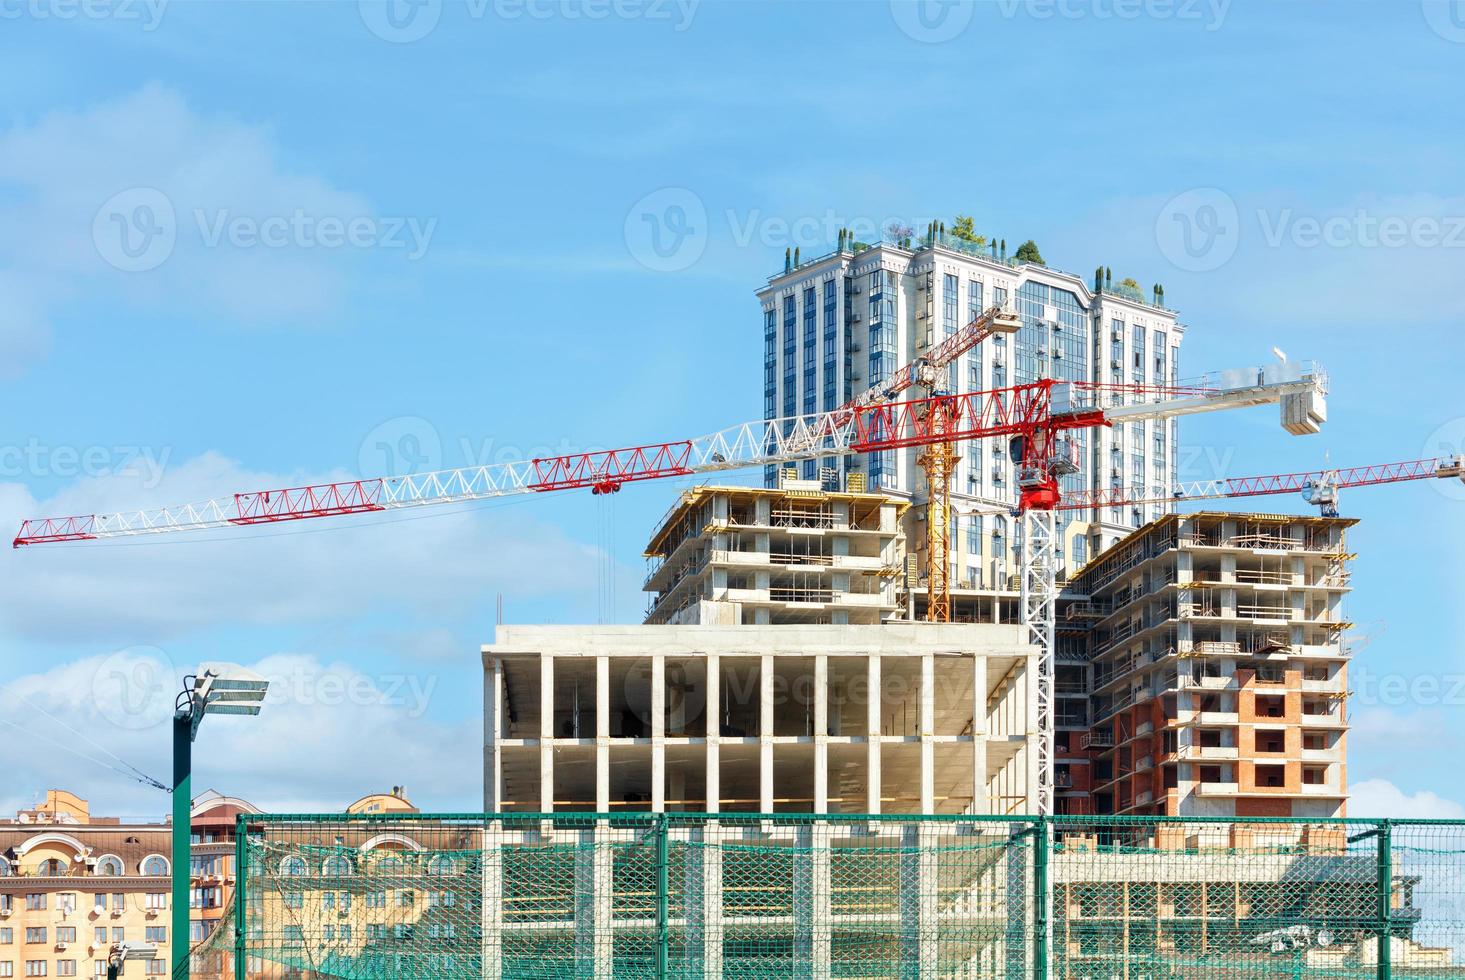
1035, 411
1438, 467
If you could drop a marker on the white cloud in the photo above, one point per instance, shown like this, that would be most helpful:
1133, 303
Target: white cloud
73, 183
329, 734
1381, 798
433, 566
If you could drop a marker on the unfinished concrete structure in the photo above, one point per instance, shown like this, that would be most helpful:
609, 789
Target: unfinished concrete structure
895, 718
1215, 667
1267, 899
802, 553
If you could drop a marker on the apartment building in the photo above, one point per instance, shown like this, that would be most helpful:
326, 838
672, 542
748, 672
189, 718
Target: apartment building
72, 884
835, 325
893, 718
805, 552
214, 876
1212, 647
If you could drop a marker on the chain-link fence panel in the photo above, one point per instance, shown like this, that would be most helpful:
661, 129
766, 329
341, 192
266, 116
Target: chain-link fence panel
695, 897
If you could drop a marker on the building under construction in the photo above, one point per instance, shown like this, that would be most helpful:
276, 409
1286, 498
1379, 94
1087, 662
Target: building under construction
1200, 664
803, 553
1206, 656
901, 718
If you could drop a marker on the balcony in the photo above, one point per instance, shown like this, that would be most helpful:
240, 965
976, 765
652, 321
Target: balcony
1261, 577
799, 595
1217, 789
1275, 613
1209, 753
1320, 789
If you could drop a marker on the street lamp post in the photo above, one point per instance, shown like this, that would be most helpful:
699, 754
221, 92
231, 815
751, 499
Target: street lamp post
120, 953
217, 689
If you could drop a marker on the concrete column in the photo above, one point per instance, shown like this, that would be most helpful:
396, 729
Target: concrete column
546, 734
658, 733
812, 900
694, 886
493, 730
712, 901
714, 734
918, 901
928, 726
872, 756
492, 913
981, 802
586, 930
602, 734
603, 886
765, 734
823, 904
821, 733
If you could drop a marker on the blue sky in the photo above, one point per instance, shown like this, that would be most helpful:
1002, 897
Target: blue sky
452, 232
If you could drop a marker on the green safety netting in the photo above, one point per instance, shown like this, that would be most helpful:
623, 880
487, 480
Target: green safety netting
693, 896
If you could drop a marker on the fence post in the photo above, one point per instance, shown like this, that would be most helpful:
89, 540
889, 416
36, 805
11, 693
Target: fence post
241, 875
1043, 900
1386, 900
662, 887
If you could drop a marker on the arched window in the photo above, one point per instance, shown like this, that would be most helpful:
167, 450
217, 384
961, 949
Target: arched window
4, 868
336, 866
442, 865
155, 866
110, 866
51, 868
389, 865
293, 865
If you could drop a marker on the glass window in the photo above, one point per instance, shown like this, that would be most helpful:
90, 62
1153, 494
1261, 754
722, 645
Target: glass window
770, 363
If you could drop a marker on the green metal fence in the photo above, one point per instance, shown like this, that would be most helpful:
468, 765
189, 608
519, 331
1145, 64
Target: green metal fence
740, 896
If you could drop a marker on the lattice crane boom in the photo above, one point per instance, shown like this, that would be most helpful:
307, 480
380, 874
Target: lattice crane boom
928, 368
1313, 484
1034, 411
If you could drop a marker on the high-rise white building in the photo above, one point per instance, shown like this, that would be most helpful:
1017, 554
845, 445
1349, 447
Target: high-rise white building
840, 323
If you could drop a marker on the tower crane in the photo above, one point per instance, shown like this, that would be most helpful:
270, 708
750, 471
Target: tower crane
1039, 415
931, 370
